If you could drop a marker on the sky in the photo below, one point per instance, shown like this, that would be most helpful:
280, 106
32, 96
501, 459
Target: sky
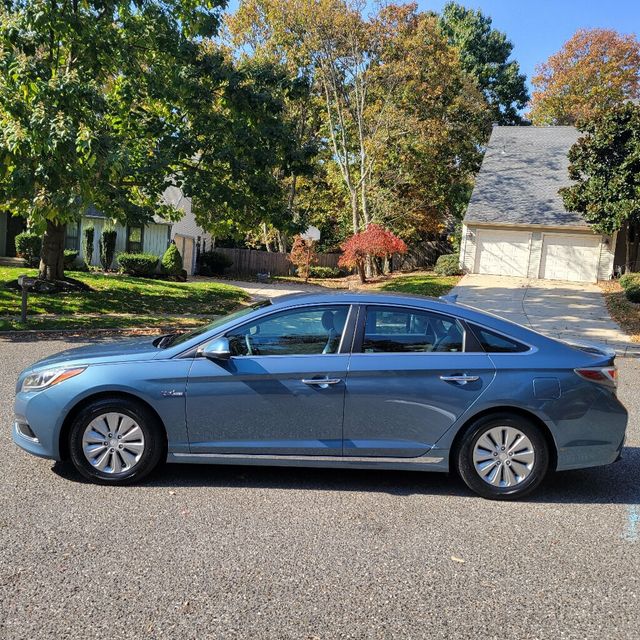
538, 28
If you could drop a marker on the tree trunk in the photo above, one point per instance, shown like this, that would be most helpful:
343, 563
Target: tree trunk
361, 272
282, 241
634, 247
265, 237
365, 205
52, 256
355, 214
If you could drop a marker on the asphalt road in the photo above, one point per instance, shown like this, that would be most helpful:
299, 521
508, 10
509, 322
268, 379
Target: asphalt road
205, 552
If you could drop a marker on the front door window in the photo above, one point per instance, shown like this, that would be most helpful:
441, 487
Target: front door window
302, 331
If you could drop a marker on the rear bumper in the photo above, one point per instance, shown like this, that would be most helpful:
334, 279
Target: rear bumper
594, 440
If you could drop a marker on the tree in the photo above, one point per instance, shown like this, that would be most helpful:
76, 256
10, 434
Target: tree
89, 108
246, 144
303, 255
402, 122
107, 247
374, 242
87, 245
254, 31
435, 125
595, 70
484, 54
605, 164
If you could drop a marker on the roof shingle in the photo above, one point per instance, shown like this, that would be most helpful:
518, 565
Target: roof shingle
518, 183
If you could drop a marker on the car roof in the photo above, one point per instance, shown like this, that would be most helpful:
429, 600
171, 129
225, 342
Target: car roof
357, 297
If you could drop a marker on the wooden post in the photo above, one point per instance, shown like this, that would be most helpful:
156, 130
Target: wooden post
25, 282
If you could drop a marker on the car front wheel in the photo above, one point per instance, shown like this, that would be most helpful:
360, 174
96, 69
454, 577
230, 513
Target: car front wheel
503, 457
115, 441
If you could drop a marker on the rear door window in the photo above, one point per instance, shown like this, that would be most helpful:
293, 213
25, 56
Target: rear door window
401, 330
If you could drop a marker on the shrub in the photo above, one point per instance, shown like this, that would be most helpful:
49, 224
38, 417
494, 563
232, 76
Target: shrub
632, 292
87, 246
448, 265
29, 247
629, 279
138, 264
107, 247
325, 272
303, 255
69, 258
172, 261
213, 263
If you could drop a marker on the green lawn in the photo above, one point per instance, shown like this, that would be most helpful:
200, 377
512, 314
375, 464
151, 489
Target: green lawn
117, 302
425, 284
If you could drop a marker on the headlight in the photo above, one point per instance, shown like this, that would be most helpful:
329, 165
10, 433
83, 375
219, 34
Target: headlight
49, 377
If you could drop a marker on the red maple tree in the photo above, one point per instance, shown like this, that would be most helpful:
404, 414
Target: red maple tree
375, 242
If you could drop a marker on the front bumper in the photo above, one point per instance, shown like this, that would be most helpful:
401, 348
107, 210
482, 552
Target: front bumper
29, 443
42, 417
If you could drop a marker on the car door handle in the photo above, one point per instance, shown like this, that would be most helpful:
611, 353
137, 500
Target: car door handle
323, 383
460, 379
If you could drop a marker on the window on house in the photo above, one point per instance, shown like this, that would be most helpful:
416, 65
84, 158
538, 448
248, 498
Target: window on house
72, 236
135, 236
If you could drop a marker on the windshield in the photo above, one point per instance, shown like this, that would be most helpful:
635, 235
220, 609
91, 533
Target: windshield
183, 337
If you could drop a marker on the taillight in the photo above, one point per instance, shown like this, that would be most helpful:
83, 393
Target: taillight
603, 375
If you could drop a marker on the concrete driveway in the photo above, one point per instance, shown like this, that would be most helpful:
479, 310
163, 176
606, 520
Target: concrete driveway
565, 310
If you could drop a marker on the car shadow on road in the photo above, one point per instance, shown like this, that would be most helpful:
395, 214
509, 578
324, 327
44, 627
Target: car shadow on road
614, 484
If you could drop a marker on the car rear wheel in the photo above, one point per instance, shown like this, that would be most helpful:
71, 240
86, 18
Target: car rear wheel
503, 457
115, 441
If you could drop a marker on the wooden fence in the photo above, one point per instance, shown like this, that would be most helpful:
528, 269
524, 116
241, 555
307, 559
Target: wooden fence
421, 256
251, 261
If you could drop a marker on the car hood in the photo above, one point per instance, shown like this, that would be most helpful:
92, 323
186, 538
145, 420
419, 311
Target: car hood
107, 352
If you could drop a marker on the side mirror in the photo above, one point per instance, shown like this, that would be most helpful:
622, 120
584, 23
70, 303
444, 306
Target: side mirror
217, 350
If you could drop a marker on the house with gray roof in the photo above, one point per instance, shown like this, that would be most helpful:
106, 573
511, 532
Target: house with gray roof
516, 223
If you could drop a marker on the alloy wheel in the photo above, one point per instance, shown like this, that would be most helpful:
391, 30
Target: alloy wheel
113, 443
503, 456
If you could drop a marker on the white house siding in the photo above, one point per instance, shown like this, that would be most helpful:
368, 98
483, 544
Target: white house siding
470, 261
607, 255
186, 232
535, 253
155, 238
468, 249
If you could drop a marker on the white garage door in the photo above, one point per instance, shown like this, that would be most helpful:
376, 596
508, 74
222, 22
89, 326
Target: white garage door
503, 252
566, 257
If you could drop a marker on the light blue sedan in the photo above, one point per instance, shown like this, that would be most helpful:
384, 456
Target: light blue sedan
376, 381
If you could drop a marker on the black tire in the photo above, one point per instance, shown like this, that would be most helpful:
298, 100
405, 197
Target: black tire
465, 465
154, 440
